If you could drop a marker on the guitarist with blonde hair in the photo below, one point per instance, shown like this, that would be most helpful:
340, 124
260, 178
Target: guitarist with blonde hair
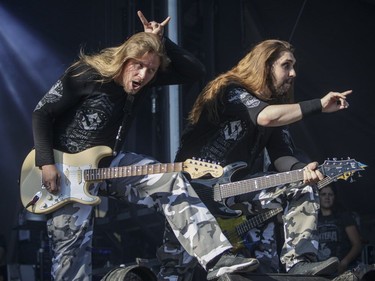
88, 107
238, 115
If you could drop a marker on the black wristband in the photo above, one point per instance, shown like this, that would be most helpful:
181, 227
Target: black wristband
298, 165
310, 107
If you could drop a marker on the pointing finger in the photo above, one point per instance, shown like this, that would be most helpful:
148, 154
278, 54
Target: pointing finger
347, 92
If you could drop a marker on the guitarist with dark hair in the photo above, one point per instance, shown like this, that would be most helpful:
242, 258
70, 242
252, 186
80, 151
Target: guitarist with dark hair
245, 110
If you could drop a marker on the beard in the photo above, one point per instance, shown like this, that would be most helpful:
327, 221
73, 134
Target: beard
280, 92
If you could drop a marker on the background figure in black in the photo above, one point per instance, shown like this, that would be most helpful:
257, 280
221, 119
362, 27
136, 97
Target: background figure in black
339, 235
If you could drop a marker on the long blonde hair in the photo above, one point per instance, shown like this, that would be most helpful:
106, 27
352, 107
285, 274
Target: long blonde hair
109, 61
253, 72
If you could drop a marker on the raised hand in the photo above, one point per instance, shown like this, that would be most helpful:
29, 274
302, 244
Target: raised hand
335, 101
153, 26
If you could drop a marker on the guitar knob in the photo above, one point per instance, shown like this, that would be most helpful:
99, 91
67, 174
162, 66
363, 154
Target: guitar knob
49, 197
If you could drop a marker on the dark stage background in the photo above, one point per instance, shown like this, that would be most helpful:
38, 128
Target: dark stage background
334, 41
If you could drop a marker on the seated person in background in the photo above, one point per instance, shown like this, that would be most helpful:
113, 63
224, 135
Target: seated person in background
338, 232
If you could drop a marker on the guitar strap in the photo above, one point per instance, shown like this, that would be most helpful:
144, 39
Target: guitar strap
127, 112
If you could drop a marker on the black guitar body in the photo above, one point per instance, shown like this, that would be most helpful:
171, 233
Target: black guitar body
204, 189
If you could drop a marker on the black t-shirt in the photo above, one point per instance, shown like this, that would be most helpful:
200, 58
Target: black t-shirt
84, 113
333, 240
237, 136
79, 112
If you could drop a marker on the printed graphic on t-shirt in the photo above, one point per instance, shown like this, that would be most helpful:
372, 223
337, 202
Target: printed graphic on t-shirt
328, 237
222, 143
52, 96
88, 124
240, 95
233, 130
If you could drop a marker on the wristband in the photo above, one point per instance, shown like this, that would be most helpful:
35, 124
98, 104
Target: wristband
297, 166
310, 107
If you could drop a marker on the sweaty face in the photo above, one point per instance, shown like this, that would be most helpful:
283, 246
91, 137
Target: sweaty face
283, 74
327, 198
136, 73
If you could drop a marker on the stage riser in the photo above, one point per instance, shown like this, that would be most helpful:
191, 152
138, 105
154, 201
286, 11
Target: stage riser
271, 277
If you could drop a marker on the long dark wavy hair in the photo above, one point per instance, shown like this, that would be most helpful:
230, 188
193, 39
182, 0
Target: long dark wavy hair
253, 72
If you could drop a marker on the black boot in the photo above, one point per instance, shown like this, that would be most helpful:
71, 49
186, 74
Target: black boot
326, 267
227, 263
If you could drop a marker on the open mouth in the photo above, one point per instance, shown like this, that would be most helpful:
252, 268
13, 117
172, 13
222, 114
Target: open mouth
136, 85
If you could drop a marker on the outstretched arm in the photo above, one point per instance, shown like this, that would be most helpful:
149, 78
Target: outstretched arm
284, 114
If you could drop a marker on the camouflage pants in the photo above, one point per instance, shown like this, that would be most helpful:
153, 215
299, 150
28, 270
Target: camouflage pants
176, 263
299, 218
300, 215
70, 228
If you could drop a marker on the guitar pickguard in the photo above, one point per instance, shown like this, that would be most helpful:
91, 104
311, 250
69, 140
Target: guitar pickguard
72, 188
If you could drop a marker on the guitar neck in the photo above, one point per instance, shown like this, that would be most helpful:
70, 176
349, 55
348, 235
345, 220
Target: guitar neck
227, 190
326, 181
133, 170
244, 227
246, 186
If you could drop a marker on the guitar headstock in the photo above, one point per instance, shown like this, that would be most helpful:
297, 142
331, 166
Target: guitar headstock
341, 169
198, 168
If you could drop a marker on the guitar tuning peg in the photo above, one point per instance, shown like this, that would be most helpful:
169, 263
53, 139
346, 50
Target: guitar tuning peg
334, 158
193, 158
348, 158
352, 180
359, 175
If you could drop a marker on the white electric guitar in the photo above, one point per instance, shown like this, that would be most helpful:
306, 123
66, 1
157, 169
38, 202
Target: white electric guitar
80, 170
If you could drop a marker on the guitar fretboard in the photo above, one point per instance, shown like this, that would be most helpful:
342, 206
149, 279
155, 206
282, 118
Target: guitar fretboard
246, 186
134, 170
244, 227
